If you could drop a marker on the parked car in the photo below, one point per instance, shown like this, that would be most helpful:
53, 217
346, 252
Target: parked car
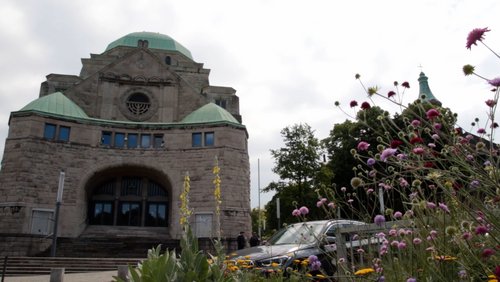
296, 242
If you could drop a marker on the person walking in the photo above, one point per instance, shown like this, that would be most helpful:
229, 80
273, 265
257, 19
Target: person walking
241, 240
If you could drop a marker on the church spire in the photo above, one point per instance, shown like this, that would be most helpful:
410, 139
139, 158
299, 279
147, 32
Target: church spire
425, 92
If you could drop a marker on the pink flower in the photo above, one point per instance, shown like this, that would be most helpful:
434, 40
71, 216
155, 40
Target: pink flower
481, 131
296, 212
444, 207
432, 113
387, 153
304, 210
402, 245
491, 102
466, 236
487, 253
415, 123
363, 146
331, 205
398, 214
431, 205
475, 35
495, 82
418, 150
417, 241
353, 103
481, 230
379, 219
405, 84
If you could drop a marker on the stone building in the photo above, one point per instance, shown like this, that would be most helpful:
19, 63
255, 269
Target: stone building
125, 131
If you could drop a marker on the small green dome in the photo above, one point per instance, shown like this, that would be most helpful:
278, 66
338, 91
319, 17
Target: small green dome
210, 113
155, 41
56, 103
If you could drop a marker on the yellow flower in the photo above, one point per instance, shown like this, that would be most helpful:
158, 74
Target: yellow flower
275, 264
296, 261
492, 278
320, 276
364, 271
445, 258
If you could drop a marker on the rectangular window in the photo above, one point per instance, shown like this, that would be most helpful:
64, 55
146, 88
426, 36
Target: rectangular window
221, 103
63, 133
50, 131
209, 138
157, 214
129, 214
132, 141
145, 140
106, 138
196, 139
119, 140
158, 141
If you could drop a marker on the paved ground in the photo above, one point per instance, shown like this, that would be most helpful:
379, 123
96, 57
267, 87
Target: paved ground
105, 276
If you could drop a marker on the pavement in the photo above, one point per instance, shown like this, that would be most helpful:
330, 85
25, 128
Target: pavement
104, 276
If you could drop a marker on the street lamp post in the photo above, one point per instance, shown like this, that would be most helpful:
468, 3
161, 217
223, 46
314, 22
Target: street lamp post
60, 189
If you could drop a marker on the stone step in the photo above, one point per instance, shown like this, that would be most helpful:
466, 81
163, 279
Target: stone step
16, 266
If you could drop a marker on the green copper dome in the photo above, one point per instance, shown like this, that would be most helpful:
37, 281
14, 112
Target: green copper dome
425, 90
57, 104
210, 113
154, 41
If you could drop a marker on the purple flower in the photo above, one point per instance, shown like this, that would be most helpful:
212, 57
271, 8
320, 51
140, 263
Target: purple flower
363, 146
481, 230
370, 162
365, 105
490, 103
353, 103
415, 123
405, 84
430, 205
474, 184
417, 241
494, 82
432, 113
402, 245
331, 205
314, 263
481, 131
390, 94
379, 219
398, 214
475, 35
304, 210
444, 207
296, 212
411, 279
387, 153
487, 253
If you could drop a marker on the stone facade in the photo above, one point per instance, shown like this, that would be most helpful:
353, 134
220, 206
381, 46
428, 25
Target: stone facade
133, 115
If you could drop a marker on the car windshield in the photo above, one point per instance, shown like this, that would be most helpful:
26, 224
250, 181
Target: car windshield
303, 233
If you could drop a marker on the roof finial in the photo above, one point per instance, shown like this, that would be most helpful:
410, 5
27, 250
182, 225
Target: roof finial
421, 67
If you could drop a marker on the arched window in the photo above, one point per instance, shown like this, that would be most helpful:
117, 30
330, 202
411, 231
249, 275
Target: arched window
129, 201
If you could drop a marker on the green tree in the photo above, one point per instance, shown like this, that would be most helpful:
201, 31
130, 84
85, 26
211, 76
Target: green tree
297, 164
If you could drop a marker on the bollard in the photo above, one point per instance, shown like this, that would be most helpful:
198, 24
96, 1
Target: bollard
123, 272
57, 275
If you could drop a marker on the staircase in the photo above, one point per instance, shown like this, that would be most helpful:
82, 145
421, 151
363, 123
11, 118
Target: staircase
22, 266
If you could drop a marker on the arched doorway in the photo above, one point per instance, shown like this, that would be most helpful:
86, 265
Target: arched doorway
128, 197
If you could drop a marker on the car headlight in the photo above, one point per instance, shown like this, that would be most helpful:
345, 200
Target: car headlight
274, 261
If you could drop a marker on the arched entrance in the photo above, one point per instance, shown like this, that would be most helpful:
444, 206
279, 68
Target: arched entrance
128, 196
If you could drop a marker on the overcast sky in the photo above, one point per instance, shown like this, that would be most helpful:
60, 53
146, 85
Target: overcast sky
288, 60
